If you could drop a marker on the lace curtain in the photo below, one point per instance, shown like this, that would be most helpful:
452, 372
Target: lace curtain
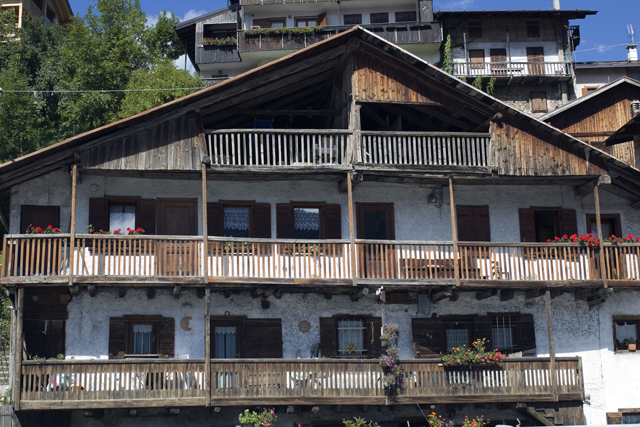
307, 218
236, 218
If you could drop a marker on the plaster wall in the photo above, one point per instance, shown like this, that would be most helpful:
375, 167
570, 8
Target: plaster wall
611, 379
415, 219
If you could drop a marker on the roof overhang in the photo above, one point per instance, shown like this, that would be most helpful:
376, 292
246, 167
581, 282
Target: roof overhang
566, 14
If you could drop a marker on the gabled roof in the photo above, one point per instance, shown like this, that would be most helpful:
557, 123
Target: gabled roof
626, 132
283, 76
594, 94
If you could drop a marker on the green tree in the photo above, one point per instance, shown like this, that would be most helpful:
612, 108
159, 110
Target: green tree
18, 115
160, 76
162, 39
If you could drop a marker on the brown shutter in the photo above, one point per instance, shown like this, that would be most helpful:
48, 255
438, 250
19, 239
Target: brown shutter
466, 229
483, 225
147, 216
375, 348
322, 19
428, 336
214, 219
285, 221
527, 334
263, 339
482, 328
166, 337
262, 220
328, 339
262, 23
332, 222
527, 225
117, 337
98, 215
614, 418
39, 216
568, 222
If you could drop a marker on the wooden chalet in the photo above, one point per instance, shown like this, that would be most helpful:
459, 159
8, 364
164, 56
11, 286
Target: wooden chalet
348, 153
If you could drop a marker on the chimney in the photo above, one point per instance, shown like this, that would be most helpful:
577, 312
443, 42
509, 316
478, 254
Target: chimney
635, 108
556, 4
632, 53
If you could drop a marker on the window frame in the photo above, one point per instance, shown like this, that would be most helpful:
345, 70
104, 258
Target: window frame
378, 15
154, 337
305, 19
399, 17
533, 29
310, 205
239, 204
352, 15
456, 319
366, 334
475, 29
624, 318
282, 20
613, 217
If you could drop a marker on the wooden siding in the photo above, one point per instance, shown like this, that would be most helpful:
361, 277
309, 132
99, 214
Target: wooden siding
625, 151
171, 145
521, 149
216, 54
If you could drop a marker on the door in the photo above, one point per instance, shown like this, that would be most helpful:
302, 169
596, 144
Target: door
534, 55
499, 66
227, 342
375, 222
177, 217
473, 226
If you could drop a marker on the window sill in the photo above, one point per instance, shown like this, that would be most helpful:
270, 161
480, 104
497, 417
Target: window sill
624, 352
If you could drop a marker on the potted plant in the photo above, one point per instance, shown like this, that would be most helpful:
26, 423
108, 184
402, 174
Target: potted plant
359, 422
351, 350
630, 343
253, 419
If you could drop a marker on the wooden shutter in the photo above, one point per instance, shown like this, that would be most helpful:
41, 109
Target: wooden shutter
332, 222
262, 220
146, 218
473, 223
428, 336
375, 347
166, 337
539, 102
614, 417
263, 339
476, 58
322, 19
39, 216
499, 56
482, 328
117, 337
568, 222
328, 339
285, 224
527, 225
527, 334
98, 215
214, 219
262, 23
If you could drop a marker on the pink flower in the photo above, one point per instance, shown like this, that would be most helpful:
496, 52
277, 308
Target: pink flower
272, 412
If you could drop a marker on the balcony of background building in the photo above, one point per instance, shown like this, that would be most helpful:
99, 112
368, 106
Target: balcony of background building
518, 71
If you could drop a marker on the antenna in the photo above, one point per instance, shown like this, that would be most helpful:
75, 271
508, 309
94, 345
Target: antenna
631, 33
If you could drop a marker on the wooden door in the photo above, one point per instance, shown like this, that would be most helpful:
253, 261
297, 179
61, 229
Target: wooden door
226, 327
375, 222
498, 62
535, 54
177, 217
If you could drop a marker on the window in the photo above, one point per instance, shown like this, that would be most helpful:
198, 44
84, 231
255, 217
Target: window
270, 23
625, 328
380, 18
122, 216
542, 224
244, 218
341, 330
457, 335
610, 225
533, 29
502, 331
308, 220
353, 19
475, 29
476, 58
113, 213
307, 22
240, 337
143, 338
588, 89
624, 416
473, 223
539, 102
39, 216
631, 418
406, 16
141, 335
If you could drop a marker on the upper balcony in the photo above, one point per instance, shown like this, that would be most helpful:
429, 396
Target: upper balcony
518, 71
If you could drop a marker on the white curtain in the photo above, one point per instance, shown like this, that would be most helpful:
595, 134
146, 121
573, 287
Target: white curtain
236, 218
142, 339
350, 332
122, 217
307, 218
625, 330
225, 337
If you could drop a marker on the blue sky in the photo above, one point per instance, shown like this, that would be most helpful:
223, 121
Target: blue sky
607, 28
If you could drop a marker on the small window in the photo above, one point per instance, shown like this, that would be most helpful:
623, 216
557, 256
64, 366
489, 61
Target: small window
277, 23
122, 216
539, 102
457, 335
502, 332
236, 221
631, 418
380, 18
626, 329
39, 216
610, 225
475, 29
142, 338
307, 223
476, 57
588, 89
533, 29
311, 21
353, 19
406, 16
351, 334
225, 342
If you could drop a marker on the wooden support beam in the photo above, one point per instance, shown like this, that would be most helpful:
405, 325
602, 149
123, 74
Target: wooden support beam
439, 296
200, 293
552, 352
359, 293
495, 117
92, 290
376, 118
596, 196
151, 293
454, 296
454, 233
533, 293
266, 290
588, 188
276, 113
207, 345
506, 295
205, 230
176, 292
279, 293
174, 411
72, 229
356, 178
486, 294
352, 238
352, 46
556, 293
534, 414
133, 412
17, 361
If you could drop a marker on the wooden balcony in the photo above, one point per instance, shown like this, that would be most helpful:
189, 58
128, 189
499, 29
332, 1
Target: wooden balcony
513, 70
175, 383
131, 260
217, 54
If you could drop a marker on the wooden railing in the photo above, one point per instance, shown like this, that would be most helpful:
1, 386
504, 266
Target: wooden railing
509, 69
112, 258
278, 147
136, 383
425, 148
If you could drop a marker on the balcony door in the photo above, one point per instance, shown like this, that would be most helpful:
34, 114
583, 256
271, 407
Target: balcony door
177, 217
499, 62
535, 54
375, 221
227, 338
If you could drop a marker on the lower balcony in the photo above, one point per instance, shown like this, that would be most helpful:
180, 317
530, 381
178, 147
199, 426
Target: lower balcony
513, 70
39, 259
174, 383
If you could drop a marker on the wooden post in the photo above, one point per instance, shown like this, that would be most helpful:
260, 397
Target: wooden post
466, 53
552, 352
454, 233
72, 227
603, 266
352, 236
17, 362
205, 231
207, 345
383, 309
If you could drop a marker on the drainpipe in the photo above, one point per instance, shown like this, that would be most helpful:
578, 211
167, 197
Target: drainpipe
339, 14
